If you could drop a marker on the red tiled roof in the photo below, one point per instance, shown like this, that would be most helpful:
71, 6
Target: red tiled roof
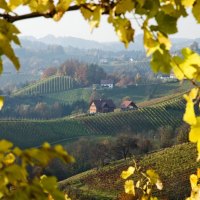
102, 102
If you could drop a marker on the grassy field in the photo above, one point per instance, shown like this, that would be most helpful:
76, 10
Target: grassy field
174, 165
28, 133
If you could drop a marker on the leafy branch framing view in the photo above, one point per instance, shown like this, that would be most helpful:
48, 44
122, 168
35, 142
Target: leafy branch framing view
158, 20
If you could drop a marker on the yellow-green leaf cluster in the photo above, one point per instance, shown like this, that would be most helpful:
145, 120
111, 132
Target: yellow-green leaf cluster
61, 7
8, 34
41, 6
144, 184
123, 28
92, 14
187, 66
195, 186
14, 174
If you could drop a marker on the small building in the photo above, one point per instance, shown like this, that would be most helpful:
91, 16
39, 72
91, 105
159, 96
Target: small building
101, 106
128, 105
107, 84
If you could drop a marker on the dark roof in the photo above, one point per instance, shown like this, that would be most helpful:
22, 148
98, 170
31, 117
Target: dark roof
126, 104
107, 81
100, 103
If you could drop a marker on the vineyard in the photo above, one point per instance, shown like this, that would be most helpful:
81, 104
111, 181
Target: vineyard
166, 113
27, 133
139, 93
174, 165
30, 133
52, 84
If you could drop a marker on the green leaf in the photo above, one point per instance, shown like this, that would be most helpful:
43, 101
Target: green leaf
141, 2
161, 62
166, 23
196, 9
151, 7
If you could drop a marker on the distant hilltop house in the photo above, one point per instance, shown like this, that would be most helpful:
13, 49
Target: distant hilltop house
101, 106
128, 105
107, 84
166, 77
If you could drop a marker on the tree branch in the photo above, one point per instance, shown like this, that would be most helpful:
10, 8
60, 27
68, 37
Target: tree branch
12, 19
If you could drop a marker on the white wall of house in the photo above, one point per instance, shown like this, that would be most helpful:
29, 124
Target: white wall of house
107, 85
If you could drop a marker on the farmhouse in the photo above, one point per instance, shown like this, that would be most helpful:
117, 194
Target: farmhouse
128, 105
102, 106
107, 84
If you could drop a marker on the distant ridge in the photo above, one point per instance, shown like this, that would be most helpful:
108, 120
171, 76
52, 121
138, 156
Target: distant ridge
80, 43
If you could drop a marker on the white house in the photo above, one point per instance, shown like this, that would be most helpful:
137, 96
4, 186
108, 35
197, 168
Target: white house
107, 84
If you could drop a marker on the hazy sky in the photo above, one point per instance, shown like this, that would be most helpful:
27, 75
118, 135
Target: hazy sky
74, 25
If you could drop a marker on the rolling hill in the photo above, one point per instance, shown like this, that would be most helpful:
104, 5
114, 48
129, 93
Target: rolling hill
51, 84
28, 133
174, 165
139, 93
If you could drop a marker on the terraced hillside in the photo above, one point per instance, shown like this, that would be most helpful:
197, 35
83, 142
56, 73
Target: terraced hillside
26, 133
51, 84
174, 165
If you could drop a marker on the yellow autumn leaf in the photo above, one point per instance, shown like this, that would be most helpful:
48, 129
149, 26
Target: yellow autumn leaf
63, 5
127, 173
41, 6
153, 176
1, 102
92, 15
9, 159
164, 40
124, 6
159, 184
150, 44
67, 197
193, 93
193, 180
129, 187
95, 20
189, 115
14, 4
198, 172
153, 198
194, 134
176, 69
187, 3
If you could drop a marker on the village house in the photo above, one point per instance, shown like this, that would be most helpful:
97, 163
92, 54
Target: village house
101, 106
107, 84
128, 105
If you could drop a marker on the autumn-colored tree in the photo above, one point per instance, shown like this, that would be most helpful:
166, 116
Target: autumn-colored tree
50, 71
